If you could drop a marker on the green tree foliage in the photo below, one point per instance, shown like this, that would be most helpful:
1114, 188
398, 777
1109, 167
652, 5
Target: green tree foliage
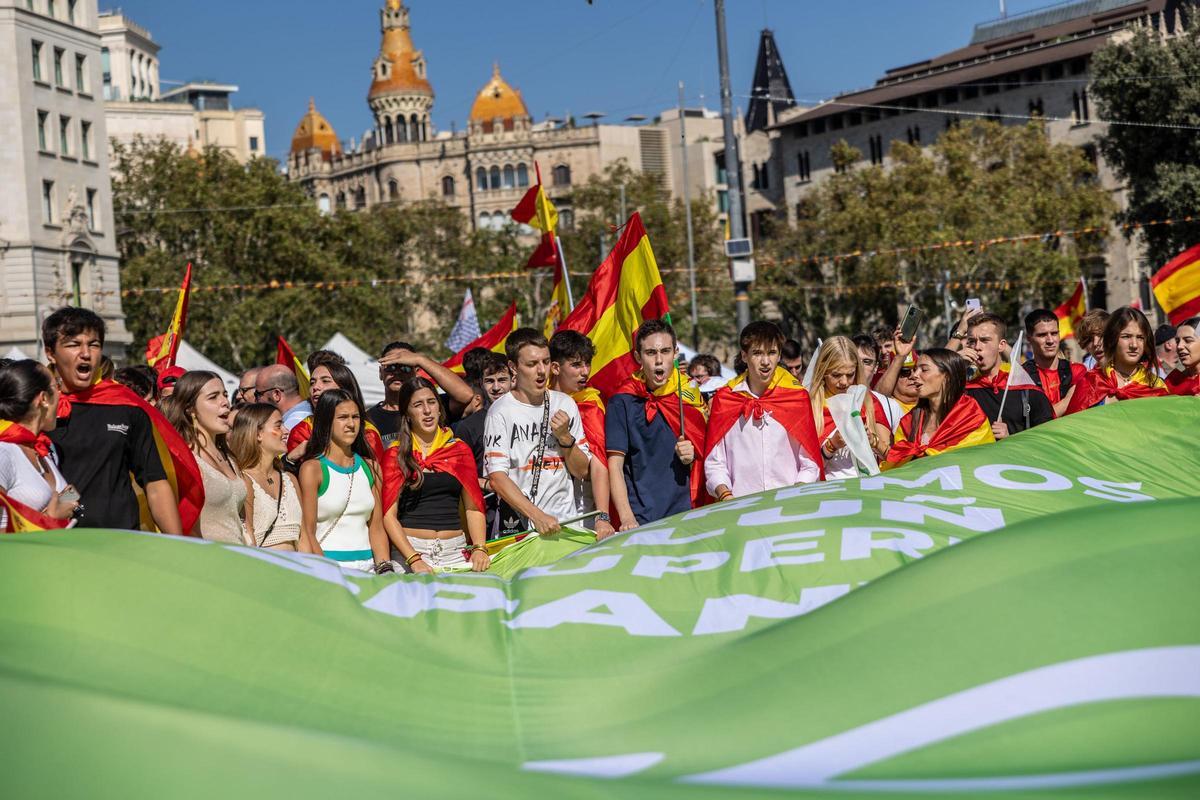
977, 182
1146, 79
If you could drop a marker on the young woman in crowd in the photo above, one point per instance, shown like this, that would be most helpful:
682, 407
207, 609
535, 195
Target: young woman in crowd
874, 364
1185, 379
28, 466
198, 407
1129, 365
340, 488
272, 506
837, 367
945, 417
431, 493
328, 375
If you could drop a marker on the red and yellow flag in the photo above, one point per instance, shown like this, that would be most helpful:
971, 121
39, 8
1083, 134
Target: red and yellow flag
494, 340
1070, 312
161, 350
535, 209
625, 291
1177, 286
20, 518
965, 426
560, 302
285, 356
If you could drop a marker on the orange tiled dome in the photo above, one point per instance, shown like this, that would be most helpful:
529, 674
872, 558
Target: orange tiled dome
397, 49
315, 131
498, 100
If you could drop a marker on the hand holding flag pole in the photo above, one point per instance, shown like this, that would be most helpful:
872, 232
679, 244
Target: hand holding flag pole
1014, 366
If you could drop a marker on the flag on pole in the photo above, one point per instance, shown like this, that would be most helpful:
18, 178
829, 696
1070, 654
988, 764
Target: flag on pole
161, 350
536, 210
1070, 312
466, 328
285, 356
493, 340
560, 301
625, 291
1177, 286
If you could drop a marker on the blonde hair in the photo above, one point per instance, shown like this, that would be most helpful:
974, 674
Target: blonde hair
243, 439
835, 351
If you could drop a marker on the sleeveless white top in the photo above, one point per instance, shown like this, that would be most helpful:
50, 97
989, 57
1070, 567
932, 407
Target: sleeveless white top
287, 526
221, 516
345, 503
21, 481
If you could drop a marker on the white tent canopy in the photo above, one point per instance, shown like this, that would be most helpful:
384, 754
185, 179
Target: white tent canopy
16, 354
364, 366
190, 358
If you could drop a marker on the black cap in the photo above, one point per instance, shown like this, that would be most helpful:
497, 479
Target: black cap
1164, 334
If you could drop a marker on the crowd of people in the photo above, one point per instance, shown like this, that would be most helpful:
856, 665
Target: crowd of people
422, 480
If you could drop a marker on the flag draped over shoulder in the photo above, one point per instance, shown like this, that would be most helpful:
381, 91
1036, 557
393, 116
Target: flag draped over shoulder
787, 401
177, 459
20, 518
1180, 384
447, 454
591, 416
1071, 311
493, 340
285, 356
1101, 383
625, 291
162, 349
466, 327
665, 400
965, 426
1177, 286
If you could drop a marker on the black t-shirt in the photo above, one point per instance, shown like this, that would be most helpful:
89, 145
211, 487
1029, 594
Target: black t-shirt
1040, 409
100, 446
432, 506
388, 422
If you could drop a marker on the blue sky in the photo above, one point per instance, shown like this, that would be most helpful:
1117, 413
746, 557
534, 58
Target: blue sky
620, 57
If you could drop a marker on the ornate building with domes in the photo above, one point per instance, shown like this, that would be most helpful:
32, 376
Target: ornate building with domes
484, 169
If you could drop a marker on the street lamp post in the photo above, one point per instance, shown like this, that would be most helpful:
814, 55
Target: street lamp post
737, 229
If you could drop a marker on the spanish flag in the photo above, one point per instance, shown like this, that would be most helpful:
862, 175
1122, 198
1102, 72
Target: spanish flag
666, 400
1177, 286
965, 426
1070, 312
591, 416
785, 398
177, 459
20, 518
535, 209
625, 291
447, 454
1101, 383
285, 356
493, 340
304, 430
161, 350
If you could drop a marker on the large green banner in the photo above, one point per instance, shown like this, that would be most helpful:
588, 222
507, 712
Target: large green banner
822, 640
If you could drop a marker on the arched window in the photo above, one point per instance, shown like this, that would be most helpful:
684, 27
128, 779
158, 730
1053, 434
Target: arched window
494, 177
562, 175
510, 177
481, 179
414, 128
522, 175
566, 218
401, 129
393, 190
388, 132
485, 220
323, 204
341, 199
447, 186
360, 197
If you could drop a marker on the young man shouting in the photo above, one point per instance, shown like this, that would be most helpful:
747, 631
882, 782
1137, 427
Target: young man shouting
534, 443
1026, 406
761, 432
655, 458
571, 355
1055, 376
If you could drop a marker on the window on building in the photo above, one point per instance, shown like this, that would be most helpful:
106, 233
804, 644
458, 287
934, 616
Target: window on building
80, 73
1078, 66
522, 175
106, 76
818, 126
447, 186
485, 221
836, 122
388, 132
77, 266
801, 130
914, 134
253, 144
804, 166
970, 92
93, 220
393, 190
562, 175
50, 9
58, 66
1055, 71
42, 116
723, 201
566, 218
855, 118
360, 198
71, 8
510, 177
64, 135
754, 179
719, 166
494, 178
930, 100
85, 139
341, 200
950, 95
1012, 81
401, 129
1037, 108
414, 128
37, 60
764, 176
48, 202
481, 179
323, 204
1079, 103
876, 143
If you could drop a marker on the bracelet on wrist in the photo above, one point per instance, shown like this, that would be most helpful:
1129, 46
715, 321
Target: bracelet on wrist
725, 495
412, 559
603, 517
567, 446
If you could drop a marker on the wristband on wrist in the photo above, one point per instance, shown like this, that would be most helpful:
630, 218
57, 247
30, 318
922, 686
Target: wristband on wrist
603, 517
566, 446
412, 559
725, 495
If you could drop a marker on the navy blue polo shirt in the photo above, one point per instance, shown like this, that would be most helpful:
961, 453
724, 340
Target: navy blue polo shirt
657, 482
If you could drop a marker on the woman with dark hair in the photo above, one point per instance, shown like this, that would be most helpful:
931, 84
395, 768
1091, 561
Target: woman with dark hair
1185, 380
199, 409
432, 499
29, 471
328, 374
273, 496
945, 417
1129, 368
340, 488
